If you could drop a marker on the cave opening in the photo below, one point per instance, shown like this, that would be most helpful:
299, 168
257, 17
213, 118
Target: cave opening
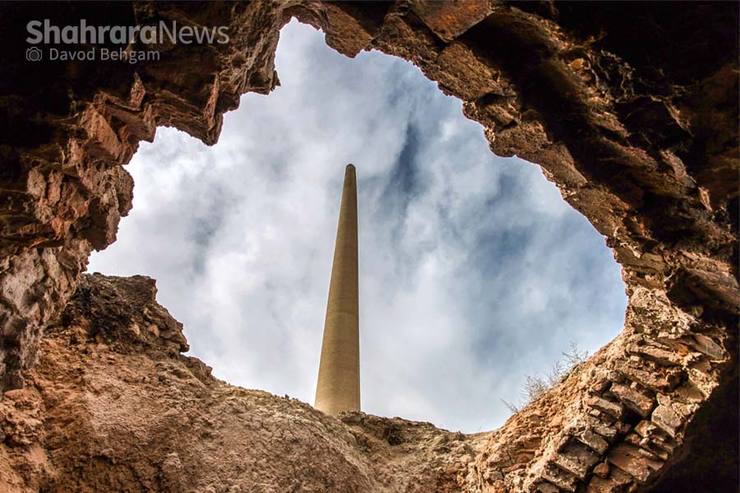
475, 273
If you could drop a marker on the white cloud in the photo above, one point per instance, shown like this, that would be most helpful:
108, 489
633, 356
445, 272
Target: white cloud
474, 272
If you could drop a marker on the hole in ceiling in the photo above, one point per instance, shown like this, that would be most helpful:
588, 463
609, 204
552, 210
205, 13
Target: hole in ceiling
474, 273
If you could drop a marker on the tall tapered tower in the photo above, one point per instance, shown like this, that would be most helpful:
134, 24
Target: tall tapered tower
338, 387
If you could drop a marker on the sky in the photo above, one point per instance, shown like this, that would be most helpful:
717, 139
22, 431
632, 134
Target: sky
474, 273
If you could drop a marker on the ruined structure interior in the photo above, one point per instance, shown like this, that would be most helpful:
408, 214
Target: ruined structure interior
630, 109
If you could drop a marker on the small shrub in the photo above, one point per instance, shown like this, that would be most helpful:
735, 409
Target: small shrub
536, 385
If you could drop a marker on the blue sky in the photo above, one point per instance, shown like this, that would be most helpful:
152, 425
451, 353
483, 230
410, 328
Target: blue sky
474, 272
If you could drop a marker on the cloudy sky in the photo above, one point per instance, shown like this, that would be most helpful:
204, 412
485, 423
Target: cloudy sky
474, 272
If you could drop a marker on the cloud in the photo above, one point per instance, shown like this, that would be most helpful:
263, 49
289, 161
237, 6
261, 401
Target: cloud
474, 272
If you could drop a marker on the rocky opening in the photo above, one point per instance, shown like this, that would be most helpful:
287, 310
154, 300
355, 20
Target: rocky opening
640, 137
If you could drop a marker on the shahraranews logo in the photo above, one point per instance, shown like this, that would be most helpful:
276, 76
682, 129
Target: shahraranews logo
44, 32
47, 33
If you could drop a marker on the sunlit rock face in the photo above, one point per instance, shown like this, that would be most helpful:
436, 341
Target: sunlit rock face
112, 405
630, 110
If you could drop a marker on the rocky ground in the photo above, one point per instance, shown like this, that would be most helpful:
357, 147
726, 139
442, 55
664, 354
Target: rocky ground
113, 405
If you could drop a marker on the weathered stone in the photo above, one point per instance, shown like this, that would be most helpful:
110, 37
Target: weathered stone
448, 20
666, 418
689, 392
459, 71
633, 399
576, 459
657, 354
559, 477
606, 431
546, 487
633, 461
611, 408
615, 482
658, 379
655, 438
594, 441
602, 470
646, 444
707, 346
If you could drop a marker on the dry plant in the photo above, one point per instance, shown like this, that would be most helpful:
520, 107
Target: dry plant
537, 385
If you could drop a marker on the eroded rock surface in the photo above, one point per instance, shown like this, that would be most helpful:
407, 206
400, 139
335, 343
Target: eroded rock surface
631, 109
112, 405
